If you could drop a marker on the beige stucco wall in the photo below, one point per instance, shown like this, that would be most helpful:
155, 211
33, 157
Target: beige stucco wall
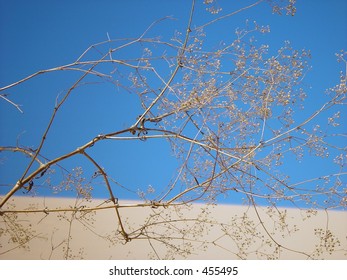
218, 233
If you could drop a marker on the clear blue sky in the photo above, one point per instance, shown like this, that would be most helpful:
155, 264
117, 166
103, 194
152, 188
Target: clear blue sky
37, 35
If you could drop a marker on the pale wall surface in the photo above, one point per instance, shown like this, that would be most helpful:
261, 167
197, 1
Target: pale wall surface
217, 235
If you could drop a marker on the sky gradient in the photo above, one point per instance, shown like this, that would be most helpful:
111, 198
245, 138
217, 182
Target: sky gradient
37, 35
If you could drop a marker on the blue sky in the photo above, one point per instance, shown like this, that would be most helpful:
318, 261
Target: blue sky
37, 35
